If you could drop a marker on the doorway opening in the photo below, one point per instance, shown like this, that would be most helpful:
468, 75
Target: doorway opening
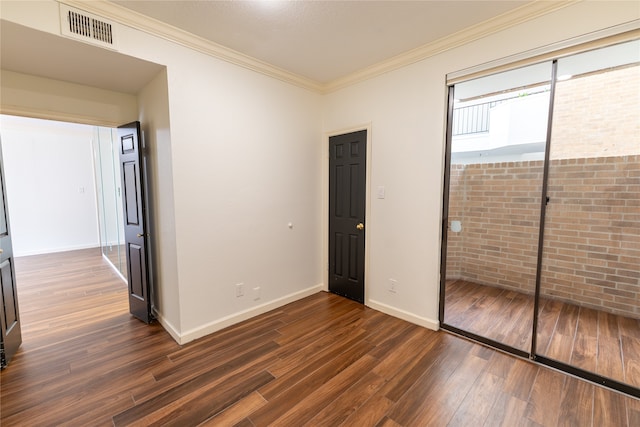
63, 185
58, 177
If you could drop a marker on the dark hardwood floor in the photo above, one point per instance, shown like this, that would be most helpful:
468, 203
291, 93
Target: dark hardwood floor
596, 341
116, 255
321, 361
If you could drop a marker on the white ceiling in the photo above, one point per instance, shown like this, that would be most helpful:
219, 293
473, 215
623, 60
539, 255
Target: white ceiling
25, 50
319, 41
322, 40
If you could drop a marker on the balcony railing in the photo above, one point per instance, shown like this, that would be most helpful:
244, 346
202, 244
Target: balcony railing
472, 119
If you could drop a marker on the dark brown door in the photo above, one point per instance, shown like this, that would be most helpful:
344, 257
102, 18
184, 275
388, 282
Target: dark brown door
9, 313
135, 231
347, 201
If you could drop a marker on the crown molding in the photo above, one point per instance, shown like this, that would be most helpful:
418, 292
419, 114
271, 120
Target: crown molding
154, 27
157, 28
499, 23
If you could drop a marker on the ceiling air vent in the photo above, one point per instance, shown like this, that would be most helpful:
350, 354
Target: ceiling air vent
83, 26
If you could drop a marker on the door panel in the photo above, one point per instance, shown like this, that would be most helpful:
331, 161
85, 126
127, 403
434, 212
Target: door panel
131, 206
9, 305
496, 166
11, 333
347, 190
137, 271
590, 260
133, 198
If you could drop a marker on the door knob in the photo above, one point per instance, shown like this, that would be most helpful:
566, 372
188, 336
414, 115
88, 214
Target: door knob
140, 234
1, 251
360, 226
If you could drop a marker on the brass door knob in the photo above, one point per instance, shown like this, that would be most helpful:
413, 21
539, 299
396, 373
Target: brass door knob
360, 226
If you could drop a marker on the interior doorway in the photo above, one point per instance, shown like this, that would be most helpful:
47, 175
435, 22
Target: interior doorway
63, 185
56, 195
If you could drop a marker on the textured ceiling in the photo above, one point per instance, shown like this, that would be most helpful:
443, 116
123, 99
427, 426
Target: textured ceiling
322, 40
319, 41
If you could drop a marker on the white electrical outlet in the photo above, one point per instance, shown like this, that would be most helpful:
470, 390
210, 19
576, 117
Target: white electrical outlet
393, 286
239, 290
256, 293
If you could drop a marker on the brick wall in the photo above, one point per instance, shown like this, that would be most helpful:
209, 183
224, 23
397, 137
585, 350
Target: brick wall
592, 235
499, 207
592, 232
597, 115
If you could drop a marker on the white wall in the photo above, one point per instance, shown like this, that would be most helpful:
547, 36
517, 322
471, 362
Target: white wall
406, 109
244, 154
24, 94
50, 185
243, 162
153, 102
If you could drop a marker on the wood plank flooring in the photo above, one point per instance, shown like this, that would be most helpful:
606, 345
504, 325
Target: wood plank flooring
116, 255
320, 361
589, 339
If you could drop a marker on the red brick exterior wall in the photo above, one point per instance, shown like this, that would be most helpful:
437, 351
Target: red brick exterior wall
592, 232
597, 115
499, 207
592, 235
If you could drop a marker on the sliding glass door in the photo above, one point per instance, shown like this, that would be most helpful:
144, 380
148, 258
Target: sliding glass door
589, 307
541, 233
498, 140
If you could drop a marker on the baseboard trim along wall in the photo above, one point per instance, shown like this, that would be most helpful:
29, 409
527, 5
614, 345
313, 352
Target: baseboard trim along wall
219, 324
405, 315
224, 322
171, 330
44, 251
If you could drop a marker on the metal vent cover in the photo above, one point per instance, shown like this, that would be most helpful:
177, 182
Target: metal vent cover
86, 27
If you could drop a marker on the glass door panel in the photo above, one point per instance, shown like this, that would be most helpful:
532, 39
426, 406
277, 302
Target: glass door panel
589, 310
497, 150
108, 183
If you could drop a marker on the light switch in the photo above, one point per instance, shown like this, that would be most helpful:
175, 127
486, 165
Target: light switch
381, 192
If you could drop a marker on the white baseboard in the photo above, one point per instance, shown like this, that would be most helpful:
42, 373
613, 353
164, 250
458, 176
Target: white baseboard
224, 322
167, 326
405, 315
219, 324
42, 251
